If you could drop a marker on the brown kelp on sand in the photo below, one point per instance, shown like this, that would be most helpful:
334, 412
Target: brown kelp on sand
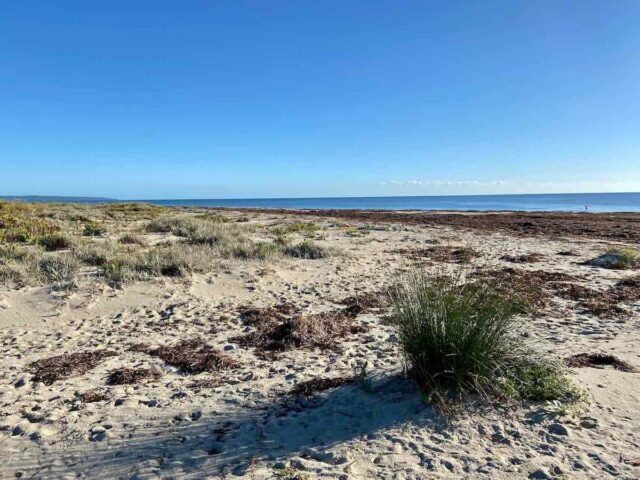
191, 356
60, 367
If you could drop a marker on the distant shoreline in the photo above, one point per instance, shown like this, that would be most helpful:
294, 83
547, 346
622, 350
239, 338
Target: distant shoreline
555, 202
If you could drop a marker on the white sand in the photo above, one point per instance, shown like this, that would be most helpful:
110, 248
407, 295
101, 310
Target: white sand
248, 427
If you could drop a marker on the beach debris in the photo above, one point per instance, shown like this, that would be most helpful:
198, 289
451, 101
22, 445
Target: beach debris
283, 328
315, 385
49, 370
524, 258
191, 356
599, 360
94, 395
126, 376
441, 253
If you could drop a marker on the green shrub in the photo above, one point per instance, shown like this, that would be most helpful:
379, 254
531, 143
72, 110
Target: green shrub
54, 241
460, 338
16, 229
93, 229
307, 250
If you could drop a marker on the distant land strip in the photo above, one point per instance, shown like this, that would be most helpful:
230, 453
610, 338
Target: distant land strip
622, 227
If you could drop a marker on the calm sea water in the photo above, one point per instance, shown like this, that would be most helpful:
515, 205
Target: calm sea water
565, 202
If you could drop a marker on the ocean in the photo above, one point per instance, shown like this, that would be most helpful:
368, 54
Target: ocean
559, 202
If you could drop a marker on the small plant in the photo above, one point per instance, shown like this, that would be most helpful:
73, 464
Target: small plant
307, 250
258, 251
362, 378
93, 229
460, 338
132, 239
54, 241
59, 268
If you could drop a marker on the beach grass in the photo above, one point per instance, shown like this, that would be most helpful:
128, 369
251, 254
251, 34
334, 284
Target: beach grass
461, 338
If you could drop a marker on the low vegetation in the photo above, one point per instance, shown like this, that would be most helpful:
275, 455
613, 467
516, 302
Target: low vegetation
618, 258
93, 229
54, 243
308, 250
460, 338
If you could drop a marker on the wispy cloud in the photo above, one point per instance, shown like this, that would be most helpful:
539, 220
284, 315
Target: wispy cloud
446, 183
506, 184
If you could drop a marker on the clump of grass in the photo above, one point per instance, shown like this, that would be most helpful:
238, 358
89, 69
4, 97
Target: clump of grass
257, 251
15, 274
93, 229
60, 270
133, 239
54, 241
303, 228
617, 258
308, 250
95, 253
19, 265
459, 338
625, 257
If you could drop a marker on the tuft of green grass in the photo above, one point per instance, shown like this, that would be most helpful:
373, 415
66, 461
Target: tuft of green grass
54, 241
60, 270
307, 250
460, 338
624, 257
93, 229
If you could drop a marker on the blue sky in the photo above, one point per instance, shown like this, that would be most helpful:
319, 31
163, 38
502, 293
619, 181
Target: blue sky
227, 99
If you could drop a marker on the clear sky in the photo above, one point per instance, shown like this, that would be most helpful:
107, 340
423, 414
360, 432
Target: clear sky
227, 99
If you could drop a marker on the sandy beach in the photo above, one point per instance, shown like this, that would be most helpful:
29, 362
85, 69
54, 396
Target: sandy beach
107, 374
